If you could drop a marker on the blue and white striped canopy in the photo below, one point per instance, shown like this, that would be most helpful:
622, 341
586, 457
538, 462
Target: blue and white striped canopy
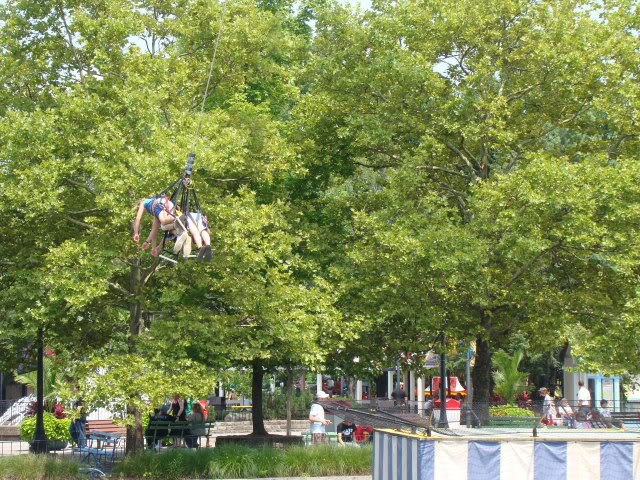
408, 457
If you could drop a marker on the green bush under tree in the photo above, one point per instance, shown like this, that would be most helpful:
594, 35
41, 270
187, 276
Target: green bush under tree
510, 410
55, 428
235, 461
39, 467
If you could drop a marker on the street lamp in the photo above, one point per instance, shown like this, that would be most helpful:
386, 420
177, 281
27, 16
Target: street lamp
39, 444
442, 422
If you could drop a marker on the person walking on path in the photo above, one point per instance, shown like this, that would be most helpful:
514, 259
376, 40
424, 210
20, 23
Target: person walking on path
318, 422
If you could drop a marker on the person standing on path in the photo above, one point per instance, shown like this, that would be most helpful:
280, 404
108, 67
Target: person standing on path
399, 396
79, 424
318, 422
584, 399
548, 411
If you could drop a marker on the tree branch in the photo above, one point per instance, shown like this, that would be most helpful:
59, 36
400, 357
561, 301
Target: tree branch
78, 222
223, 180
572, 117
82, 185
446, 170
119, 288
70, 41
90, 210
526, 267
613, 150
375, 167
461, 154
148, 273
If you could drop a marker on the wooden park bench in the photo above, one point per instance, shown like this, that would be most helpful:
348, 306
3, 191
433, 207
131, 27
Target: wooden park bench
101, 448
104, 426
158, 431
630, 419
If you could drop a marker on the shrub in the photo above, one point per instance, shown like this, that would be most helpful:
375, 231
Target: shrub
39, 467
55, 428
237, 461
510, 410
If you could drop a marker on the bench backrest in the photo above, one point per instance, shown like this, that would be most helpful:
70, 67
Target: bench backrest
106, 438
181, 425
105, 426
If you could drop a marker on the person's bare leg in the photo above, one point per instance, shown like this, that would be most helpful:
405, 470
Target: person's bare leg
153, 236
165, 218
206, 239
193, 230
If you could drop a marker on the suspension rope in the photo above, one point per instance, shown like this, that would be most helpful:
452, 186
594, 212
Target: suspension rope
206, 88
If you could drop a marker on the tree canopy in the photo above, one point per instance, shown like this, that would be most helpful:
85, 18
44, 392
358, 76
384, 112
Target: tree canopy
371, 179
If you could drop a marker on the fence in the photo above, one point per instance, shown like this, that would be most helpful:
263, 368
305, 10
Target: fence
376, 414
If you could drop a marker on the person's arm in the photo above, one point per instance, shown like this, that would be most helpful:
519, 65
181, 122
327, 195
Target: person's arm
313, 418
151, 239
181, 404
136, 222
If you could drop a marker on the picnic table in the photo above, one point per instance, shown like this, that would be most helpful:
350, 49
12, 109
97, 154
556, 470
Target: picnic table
100, 449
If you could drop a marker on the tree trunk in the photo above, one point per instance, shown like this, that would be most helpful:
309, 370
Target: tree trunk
135, 437
561, 356
351, 387
256, 400
289, 393
481, 379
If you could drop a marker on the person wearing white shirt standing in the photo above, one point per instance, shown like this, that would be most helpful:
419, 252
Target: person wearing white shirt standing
584, 399
318, 422
548, 410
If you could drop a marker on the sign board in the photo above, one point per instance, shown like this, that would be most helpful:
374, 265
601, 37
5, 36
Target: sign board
433, 360
454, 384
607, 389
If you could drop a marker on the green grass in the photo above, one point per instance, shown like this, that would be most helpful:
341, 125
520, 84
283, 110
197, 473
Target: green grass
38, 467
235, 461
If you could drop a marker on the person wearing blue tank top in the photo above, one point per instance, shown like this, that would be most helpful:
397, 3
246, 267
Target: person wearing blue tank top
162, 210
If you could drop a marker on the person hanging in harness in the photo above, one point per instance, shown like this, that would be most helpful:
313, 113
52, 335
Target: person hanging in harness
161, 208
198, 227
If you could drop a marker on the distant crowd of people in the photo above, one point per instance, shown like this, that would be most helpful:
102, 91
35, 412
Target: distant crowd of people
585, 415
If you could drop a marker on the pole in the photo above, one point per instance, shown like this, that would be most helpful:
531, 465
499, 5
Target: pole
443, 423
40, 436
189, 167
397, 376
469, 387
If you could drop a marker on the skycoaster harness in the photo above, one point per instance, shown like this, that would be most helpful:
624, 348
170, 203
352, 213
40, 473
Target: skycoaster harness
183, 205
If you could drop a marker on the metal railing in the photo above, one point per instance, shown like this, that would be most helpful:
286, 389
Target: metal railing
12, 412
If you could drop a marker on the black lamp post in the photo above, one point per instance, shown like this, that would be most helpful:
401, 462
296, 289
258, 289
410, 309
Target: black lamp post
442, 422
39, 444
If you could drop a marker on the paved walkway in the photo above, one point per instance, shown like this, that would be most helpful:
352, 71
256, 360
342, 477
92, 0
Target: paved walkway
361, 477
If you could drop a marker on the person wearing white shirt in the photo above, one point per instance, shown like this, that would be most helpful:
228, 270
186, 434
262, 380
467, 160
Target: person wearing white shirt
318, 422
584, 398
548, 411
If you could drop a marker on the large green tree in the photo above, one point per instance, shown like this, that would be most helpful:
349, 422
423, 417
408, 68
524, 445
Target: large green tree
101, 106
486, 153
